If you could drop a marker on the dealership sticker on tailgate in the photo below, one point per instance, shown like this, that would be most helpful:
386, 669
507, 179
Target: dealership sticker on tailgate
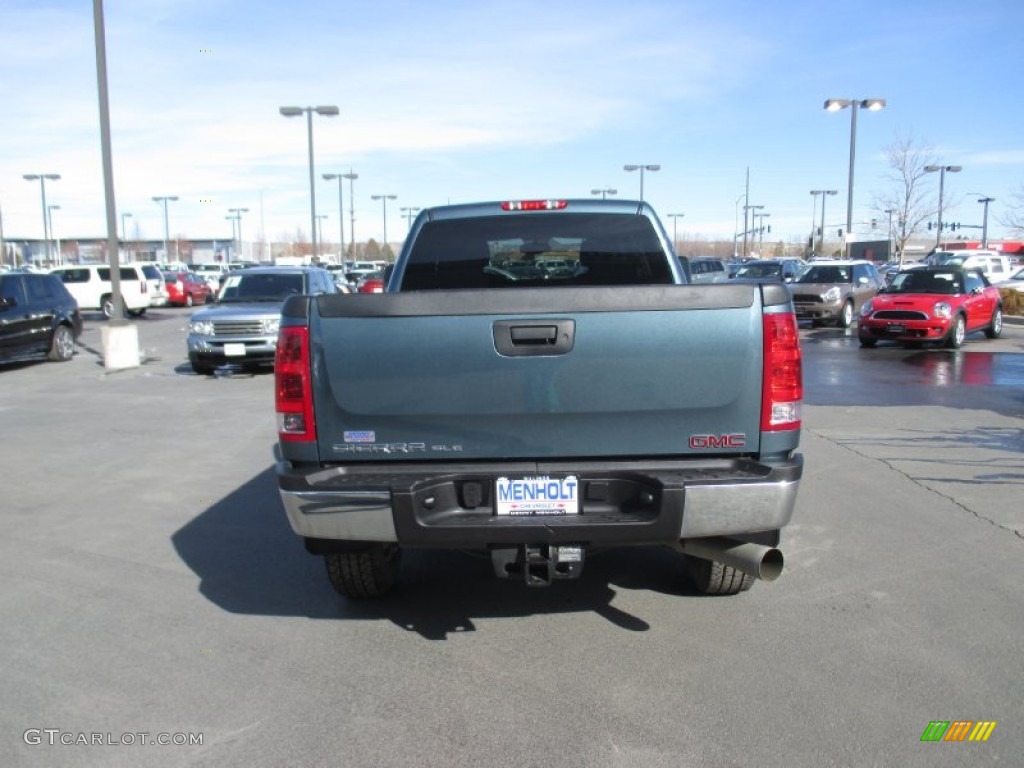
537, 496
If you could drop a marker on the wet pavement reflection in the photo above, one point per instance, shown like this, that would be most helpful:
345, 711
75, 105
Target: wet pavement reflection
838, 372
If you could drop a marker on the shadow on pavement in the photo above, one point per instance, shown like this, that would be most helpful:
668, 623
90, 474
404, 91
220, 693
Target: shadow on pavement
249, 561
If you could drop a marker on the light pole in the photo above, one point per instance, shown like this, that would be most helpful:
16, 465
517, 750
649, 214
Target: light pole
824, 194
735, 222
604, 192
320, 232
42, 189
409, 212
834, 105
746, 231
341, 210
351, 208
49, 216
167, 229
942, 169
675, 229
984, 221
759, 228
234, 219
326, 111
238, 215
124, 227
385, 199
641, 168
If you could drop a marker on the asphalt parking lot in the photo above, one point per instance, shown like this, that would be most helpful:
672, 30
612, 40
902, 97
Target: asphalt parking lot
151, 585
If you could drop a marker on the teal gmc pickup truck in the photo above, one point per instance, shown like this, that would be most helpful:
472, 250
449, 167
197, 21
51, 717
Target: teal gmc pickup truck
539, 380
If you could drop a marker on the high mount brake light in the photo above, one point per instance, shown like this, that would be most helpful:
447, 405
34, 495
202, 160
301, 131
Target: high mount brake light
534, 205
293, 392
782, 380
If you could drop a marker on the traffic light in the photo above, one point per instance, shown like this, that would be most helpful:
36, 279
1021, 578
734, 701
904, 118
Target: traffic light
929, 226
954, 226
874, 223
839, 233
769, 229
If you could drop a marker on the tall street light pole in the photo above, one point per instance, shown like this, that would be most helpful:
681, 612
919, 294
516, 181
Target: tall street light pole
42, 189
124, 228
824, 194
889, 212
341, 210
941, 169
759, 228
234, 238
675, 230
326, 111
320, 231
984, 221
351, 208
604, 192
167, 229
834, 105
238, 214
49, 220
409, 212
746, 227
385, 199
641, 168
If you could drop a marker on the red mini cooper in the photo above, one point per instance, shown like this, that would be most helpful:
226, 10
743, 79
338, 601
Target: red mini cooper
932, 304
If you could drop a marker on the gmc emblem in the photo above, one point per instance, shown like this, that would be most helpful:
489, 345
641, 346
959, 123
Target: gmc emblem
738, 440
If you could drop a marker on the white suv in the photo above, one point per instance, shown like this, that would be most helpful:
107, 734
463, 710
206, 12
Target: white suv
90, 285
995, 266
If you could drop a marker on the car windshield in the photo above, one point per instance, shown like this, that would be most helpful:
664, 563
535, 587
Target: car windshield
821, 273
261, 287
760, 270
921, 281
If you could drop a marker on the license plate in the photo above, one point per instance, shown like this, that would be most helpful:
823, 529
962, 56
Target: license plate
234, 350
537, 496
896, 328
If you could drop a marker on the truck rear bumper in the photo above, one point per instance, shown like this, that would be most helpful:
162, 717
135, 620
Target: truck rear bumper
450, 506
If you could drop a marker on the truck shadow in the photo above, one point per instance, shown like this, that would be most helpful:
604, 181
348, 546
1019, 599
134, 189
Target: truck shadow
249, 561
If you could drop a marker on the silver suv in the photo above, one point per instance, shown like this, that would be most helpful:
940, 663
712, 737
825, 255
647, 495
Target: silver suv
242, 327
834, 291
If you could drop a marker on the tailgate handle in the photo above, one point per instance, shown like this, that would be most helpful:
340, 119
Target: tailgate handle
519, 338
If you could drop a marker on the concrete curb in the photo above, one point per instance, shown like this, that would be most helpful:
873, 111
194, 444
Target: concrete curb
1013, 320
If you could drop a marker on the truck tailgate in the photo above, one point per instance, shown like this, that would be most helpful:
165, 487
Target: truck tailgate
644, 371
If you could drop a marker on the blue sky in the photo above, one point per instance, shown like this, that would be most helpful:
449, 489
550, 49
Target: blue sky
459, 101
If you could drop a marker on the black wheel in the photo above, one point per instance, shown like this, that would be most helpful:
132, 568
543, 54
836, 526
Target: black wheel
188, 300
371, 572
137, 312
845, 316
62, 345
995, 328
868, 343
957, 333
107, 305
203, 370
714, 578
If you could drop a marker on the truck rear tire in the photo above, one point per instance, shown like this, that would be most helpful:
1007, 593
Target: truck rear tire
368, 573
714, 578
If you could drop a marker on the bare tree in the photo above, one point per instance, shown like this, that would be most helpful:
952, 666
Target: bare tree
909, 201
1013, 215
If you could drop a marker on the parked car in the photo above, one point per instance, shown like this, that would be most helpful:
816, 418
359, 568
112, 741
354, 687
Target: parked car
1014, 281
705, 270
932, 304
91, 287
242, 327
834, 291
994, 265
769, 271
185, 289
212, 273
38, 317
157, 288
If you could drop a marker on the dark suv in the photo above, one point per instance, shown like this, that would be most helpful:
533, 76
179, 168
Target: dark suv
38, 317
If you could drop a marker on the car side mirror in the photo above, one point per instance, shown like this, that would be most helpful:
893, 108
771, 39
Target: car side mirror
7, 302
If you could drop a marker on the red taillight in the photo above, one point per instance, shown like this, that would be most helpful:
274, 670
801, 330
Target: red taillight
293, 393
534, 205
783, 388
